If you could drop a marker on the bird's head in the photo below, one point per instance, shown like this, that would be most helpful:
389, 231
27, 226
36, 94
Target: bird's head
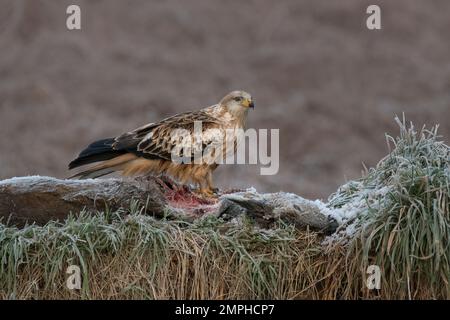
238, 102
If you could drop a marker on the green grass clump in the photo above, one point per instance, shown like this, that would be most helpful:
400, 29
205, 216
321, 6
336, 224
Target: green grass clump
406, 231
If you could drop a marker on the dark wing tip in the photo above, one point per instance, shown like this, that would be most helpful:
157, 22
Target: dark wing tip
97, 151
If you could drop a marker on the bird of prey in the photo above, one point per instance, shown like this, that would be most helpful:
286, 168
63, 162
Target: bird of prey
149, 149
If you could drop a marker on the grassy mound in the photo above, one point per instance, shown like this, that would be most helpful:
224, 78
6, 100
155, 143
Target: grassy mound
139, 257
395, 217
400, 219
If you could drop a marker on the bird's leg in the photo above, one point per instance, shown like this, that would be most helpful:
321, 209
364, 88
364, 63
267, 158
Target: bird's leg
210, 183
203, 187
184, 184
207, 192
169, 181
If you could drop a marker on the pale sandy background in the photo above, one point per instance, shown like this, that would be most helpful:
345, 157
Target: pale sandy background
330, 85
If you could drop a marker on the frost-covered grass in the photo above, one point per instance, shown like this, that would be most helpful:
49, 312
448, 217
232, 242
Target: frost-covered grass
397, 217
136, 256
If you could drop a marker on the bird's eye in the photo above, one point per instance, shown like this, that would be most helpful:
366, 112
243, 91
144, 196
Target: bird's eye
238, 99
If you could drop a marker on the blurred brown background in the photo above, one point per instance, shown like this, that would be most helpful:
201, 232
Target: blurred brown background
316, 72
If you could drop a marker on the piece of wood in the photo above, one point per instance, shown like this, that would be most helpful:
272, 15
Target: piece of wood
41, 199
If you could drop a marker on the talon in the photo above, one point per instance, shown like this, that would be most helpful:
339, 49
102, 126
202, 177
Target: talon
208, 193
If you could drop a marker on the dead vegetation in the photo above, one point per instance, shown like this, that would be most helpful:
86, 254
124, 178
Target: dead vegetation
124, 254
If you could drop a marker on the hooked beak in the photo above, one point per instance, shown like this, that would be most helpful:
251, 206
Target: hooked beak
249, 103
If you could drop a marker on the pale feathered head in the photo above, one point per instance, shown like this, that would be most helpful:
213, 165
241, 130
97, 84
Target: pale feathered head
238, 102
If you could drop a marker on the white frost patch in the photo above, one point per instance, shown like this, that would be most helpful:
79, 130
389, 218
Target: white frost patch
351, 215
251, 190
359, 203
20, 180
40, 179
327, 211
